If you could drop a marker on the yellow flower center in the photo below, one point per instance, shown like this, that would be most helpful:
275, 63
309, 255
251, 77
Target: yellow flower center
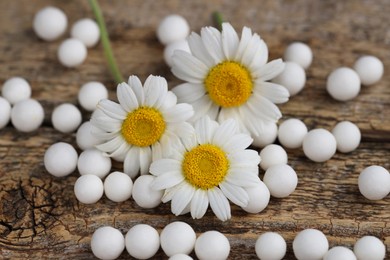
205, 166
143, 126
229, 84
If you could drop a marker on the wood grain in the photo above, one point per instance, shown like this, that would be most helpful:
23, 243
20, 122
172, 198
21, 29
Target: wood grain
39, 215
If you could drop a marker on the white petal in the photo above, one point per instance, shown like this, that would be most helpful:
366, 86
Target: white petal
169, 101
269, 70
198, 50
225, 131
170, 192
162, 166
237, 142
205, 129
131, 164
247, 157
153, 88
212, 41
126, 97
121, 151
156, 151
188, 67
274, 92
235, 194
262, 106
145, 159
261, 57
230, 41
246, 36
104, 136
219, 204
189, 92
112, 109
190, 142
178, 113
199, 204
136, 86
107, 124
167, 180
213, 112
254, 123
181, 129
242, 178
111, 145
181, 199
250, 52
201, 107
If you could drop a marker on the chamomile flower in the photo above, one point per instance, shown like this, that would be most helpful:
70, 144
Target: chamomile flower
227, 77
210, 167
144, 126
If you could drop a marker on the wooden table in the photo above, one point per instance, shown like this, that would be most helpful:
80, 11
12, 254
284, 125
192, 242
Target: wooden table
39, 215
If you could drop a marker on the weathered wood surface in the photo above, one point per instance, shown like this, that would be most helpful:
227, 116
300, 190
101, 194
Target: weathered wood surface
39, 215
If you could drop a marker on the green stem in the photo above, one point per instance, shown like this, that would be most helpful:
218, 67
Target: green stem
218, 19
106, 41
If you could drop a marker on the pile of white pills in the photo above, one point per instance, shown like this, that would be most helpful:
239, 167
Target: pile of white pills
66, 118
50, 23
293, 77
259, 197
5, 112
281, 180
300, 53
90, 94
291, 133
310, 244
27, 115
87, 31
270, 245
60, 159
271, 155
107, 243
72, 53
267, 136
374, 182
142, 241
16, 89
319, 145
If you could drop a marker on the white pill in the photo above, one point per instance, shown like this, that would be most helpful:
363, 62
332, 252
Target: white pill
142, 241
310, 244
180, 257
370, 248
299, 53
66, 118
339, 253
347, 136
172, 28
27, 115
369, 68
267, 136
85, 138
281, 180
259, 196
16, 89
118, 186
88, 189
60, 159
319, 145
291, 133
172, 47
343, 84
374, 182
293, 77
5, 112
270, 246
212, 245
177, 238
95, 162
72, 53
50, 23
272, 154
91, 93
144, 195
107, 243
87, 31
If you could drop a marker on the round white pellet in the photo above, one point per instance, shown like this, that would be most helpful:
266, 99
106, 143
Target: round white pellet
5, 112
259, 196
50, 23
212, 245
374, 182
144, 195
370, 248
88, 189
118, 186
319, 145
85, 138
91, 93
16, 89
299, 53
267, 136
343, 84
177, 238
27, 115
72, 53
66, 118
95, 162
87, 31
369, 69
281, 180
180, 257
270, 246
60, 159
339, 253
347, 136
291, 133
172, 47
107, 243
293, 78
310, 244
172, 28
142, 241
272, 154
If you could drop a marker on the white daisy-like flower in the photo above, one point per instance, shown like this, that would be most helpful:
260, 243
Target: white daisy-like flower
210, 167
144, 126
227, 77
